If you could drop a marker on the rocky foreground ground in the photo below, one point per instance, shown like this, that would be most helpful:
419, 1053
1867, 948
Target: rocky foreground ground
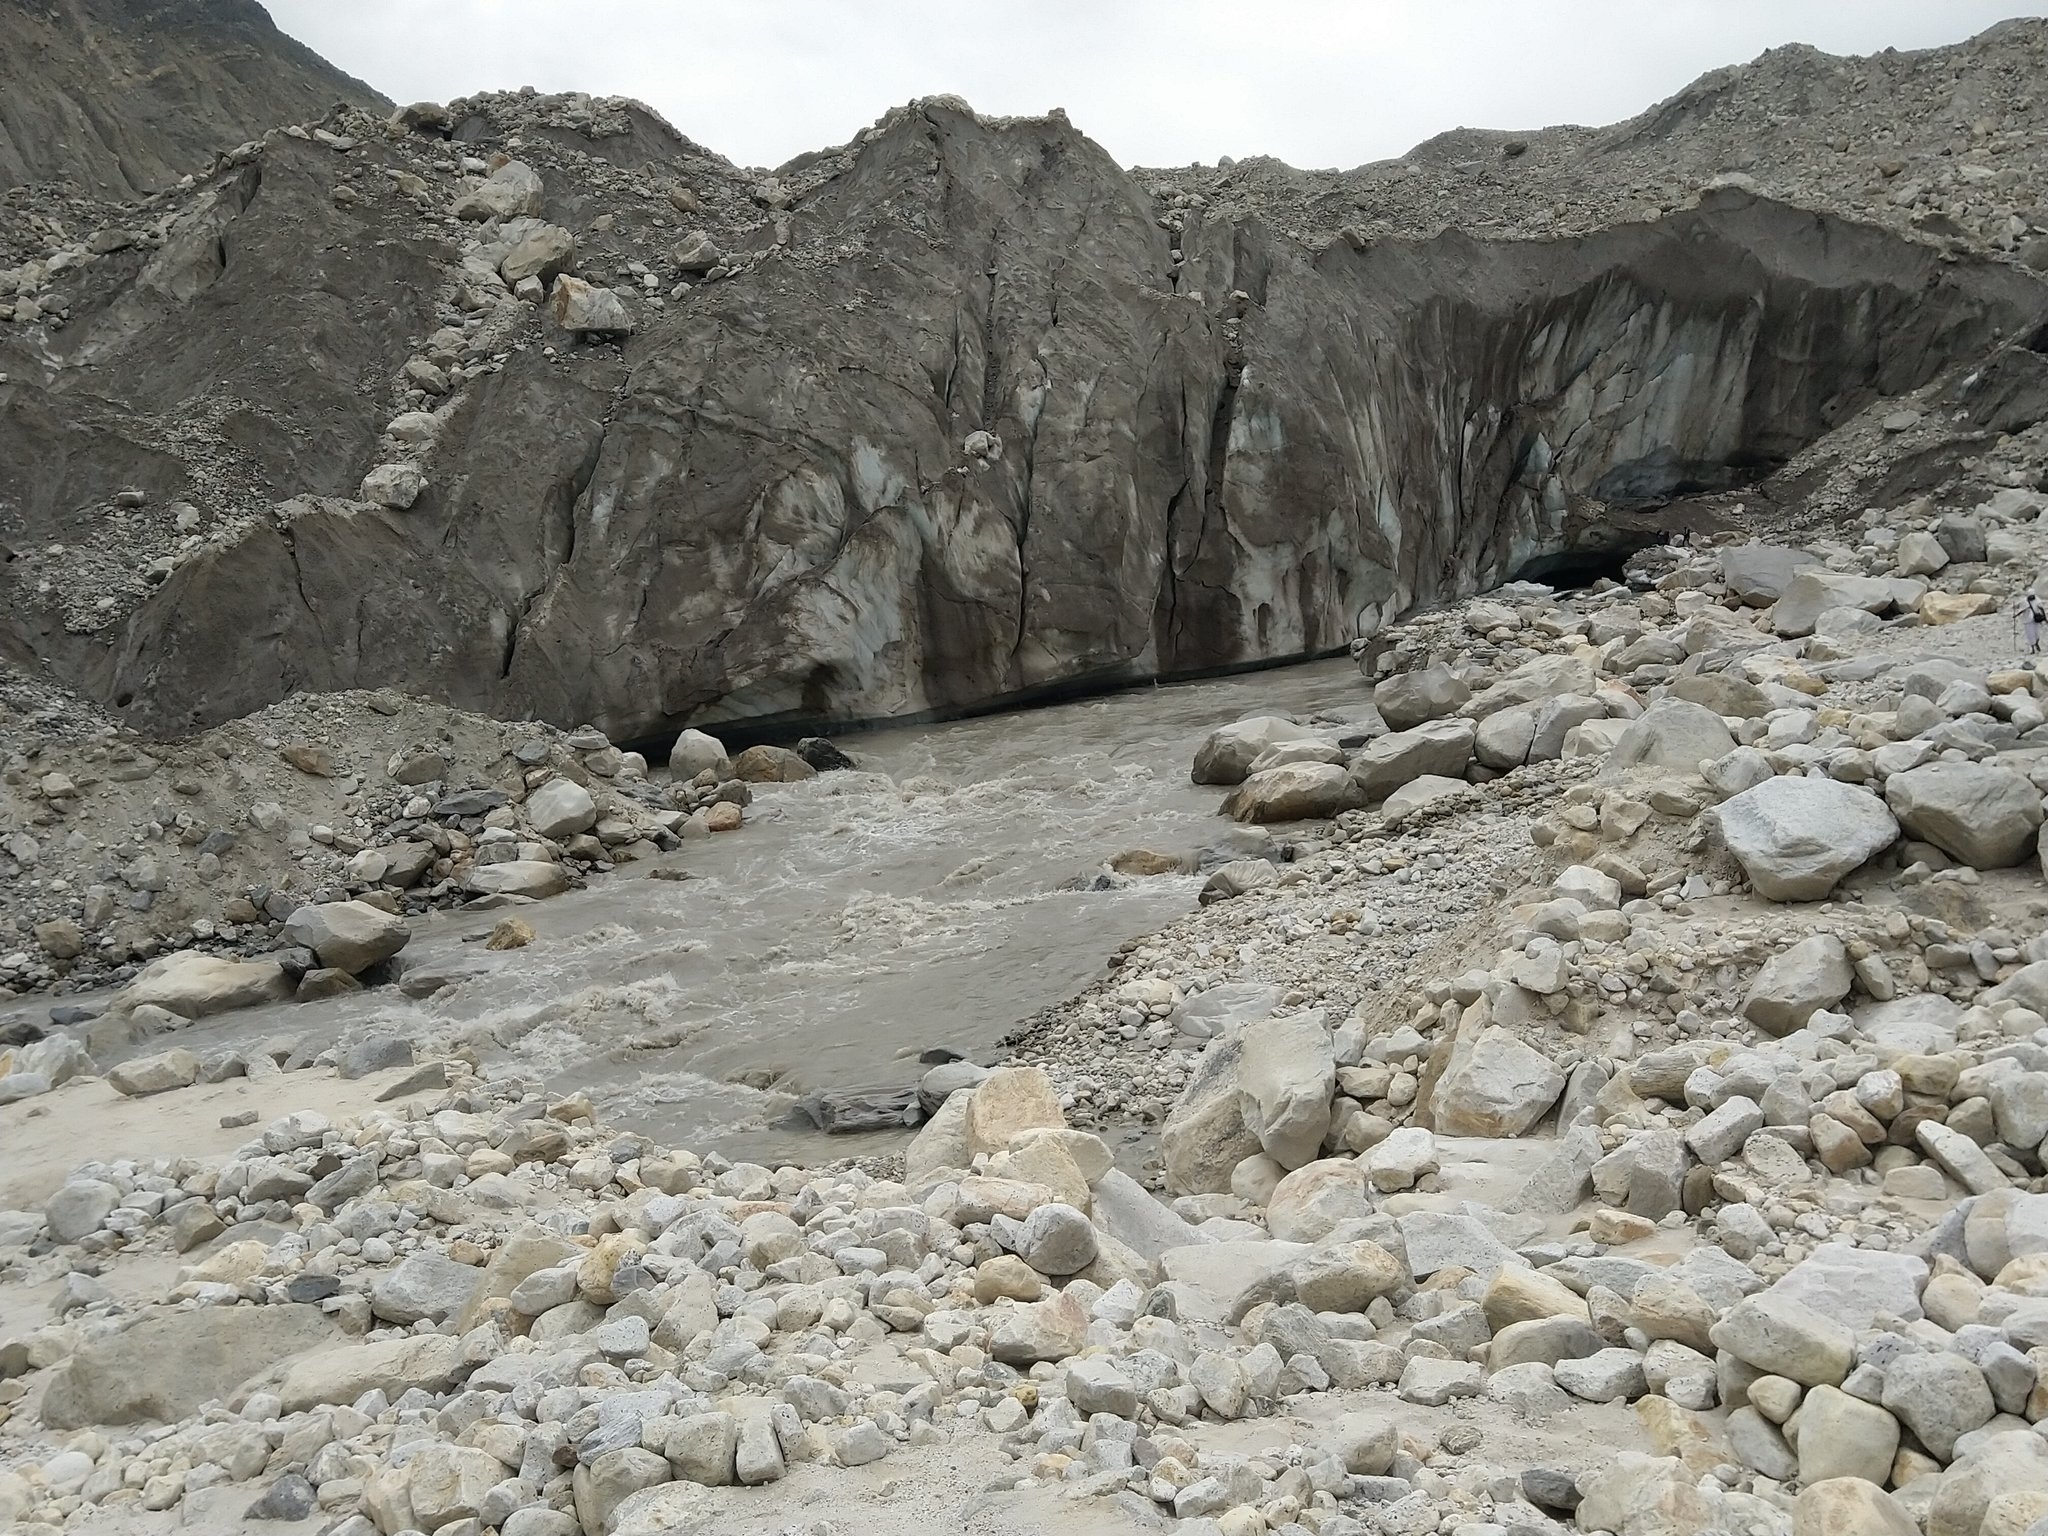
1623, 1112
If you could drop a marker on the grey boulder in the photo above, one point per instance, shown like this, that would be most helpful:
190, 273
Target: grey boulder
1984, 815
1797, 837
349, 936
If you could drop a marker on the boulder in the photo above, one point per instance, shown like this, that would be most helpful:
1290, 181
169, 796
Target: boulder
1224, 1275
1293, 792
393, 486
195, 986
1424, 791
1545, 677
1439, 1240
668, 1509
1291, 752
1504, 738
1939, 1396
1984, 815
1409, 698
1127, 1211
147, 1075
344, 1373
703, 1448
1494, 1086
1441, 747
1055, 1240
771, 765
1812, 592
561, 808
1226, 755
1011, 1100
1346, 1277
1757, 574
1849, 1506
425, 1286
585, 309
1286, 1076
165, 1366
1671, 734
512, 191
1205, 1135
1101, 1386
1311, 1202
2011, 1461
544, 253
1844, 1436
78, 1207
1797, 837
447, 1483
1724, 693
532, 878
694, 753
1783, 1337
349, 936
1027, 1333
1795, 983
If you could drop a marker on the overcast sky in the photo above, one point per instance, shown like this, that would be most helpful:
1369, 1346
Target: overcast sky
1158, 82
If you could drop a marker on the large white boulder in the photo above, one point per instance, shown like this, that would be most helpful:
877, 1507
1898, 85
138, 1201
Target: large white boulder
1797, 837
1494, 1086
1980, 813
1286, 1078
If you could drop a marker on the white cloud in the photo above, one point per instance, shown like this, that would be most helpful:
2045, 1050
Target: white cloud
1158, 82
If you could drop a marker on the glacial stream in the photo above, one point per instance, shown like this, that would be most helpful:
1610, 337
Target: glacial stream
861, 918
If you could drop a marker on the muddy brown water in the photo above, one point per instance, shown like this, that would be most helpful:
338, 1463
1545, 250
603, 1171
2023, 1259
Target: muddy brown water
861, 918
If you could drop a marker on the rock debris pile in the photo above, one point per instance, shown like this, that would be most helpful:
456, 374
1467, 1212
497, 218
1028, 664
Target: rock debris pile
115, 849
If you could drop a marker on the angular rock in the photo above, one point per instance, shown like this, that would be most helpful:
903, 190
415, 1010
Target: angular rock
1984, 815
165, 1366
1495, 1086
1814, 591
1783, 1337
195, 986
561, 808
1286, 1077
1205, 1136
534, 878
1757, 574
1796, 837
1293, 792
584, 309
422, 1286
1671, 734
513, 191
1407, 699
1797, 982
147, 1075
345, 1373
350, 936
1442, 748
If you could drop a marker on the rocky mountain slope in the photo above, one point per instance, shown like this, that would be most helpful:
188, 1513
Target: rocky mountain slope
121, 97
962, 412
